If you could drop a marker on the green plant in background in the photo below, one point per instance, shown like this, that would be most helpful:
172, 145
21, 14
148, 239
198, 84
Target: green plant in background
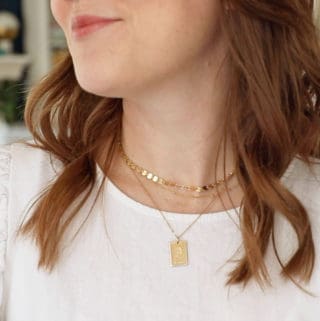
9, 101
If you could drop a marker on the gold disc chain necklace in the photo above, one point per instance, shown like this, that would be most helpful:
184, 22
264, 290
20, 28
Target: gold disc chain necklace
159, 180
179, 247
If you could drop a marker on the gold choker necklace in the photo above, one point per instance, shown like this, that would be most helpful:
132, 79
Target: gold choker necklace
159, 180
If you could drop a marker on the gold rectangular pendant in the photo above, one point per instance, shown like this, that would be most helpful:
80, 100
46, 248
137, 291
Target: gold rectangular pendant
179, 252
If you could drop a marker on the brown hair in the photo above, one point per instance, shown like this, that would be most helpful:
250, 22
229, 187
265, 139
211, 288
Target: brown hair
273, 115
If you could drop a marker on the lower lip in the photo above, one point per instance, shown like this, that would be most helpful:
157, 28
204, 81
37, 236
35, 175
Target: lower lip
84, 31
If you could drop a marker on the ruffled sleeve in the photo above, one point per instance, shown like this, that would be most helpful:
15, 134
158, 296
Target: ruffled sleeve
5, 158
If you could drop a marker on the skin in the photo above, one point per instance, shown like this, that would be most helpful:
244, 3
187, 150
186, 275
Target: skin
166, 60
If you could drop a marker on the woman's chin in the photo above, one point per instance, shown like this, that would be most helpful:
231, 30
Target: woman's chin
103, 88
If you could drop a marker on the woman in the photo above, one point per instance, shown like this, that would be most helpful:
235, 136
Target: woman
174, 171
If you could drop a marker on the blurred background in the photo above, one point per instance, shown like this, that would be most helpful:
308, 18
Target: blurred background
30, 44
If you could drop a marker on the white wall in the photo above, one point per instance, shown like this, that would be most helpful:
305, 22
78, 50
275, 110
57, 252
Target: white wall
37, 40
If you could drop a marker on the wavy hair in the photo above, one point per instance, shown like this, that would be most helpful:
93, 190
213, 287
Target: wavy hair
273, 115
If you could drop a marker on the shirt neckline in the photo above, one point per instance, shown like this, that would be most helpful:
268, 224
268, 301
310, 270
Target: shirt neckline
116, 192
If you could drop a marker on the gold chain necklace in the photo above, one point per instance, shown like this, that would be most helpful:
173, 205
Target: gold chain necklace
181, 193
210, 194
179, 247
159, 180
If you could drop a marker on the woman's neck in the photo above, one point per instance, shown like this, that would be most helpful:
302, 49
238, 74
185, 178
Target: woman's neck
176, 129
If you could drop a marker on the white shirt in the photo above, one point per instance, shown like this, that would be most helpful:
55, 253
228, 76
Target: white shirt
128, 276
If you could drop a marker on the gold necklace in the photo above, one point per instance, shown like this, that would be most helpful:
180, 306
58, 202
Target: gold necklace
210, 194
181, 194
159, 180
179, 247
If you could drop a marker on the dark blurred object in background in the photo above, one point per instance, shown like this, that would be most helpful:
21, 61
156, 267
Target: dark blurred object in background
12, 97
14, 6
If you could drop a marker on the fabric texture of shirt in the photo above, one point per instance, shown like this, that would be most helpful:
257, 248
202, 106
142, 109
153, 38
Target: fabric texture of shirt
117, 267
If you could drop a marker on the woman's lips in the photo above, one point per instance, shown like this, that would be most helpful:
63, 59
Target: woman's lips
85, 25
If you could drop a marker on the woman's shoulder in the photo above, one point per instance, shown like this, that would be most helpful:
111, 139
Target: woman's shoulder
22, 161
304, 177
303, 180
25, 171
